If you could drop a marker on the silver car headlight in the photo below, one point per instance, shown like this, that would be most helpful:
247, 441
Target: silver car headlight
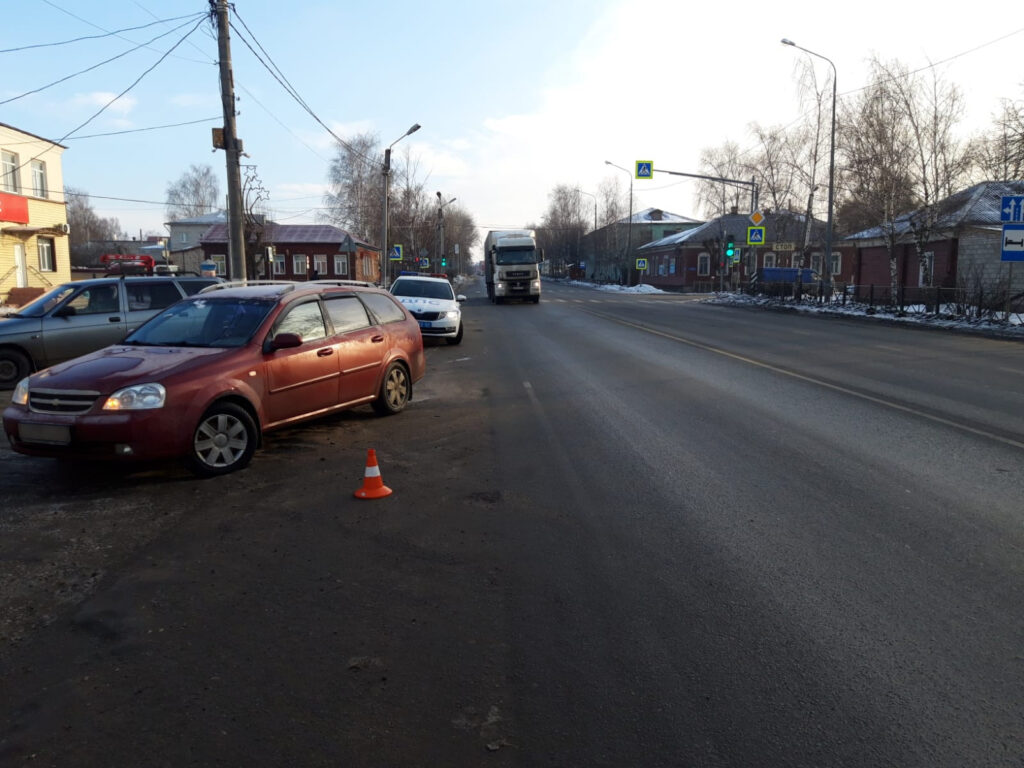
20, 396
453, 314
139, 397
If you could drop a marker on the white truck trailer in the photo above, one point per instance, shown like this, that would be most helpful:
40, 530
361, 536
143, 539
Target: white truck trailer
512, 265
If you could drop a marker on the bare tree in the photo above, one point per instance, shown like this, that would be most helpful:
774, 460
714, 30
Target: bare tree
717, 198
1000, 152
878, 162
196, 192
84, 223
355, 175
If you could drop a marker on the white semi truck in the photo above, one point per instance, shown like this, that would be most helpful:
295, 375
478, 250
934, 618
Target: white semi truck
512, 265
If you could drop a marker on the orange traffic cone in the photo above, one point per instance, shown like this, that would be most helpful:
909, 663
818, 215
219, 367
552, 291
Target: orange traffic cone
373, 486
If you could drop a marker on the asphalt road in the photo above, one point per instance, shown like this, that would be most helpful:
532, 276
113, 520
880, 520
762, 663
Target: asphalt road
626, 531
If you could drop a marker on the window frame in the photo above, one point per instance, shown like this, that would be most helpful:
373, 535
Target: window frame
46, 243
38, 173
9, 176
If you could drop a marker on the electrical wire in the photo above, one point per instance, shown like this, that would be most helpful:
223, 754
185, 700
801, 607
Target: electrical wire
283, 81
100, 64
97, 37
122, 93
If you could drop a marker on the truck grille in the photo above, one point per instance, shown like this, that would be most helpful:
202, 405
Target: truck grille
61, 401
518, 273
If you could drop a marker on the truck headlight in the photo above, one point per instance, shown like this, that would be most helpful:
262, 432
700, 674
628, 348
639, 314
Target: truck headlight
140, 397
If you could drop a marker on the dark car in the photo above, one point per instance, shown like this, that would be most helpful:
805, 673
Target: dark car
207, 376
82, 316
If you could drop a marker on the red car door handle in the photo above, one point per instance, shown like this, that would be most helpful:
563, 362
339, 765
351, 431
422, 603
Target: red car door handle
378, 339
325, 352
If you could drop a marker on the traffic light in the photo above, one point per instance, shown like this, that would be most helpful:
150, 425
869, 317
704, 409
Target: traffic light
444, 261
730, 248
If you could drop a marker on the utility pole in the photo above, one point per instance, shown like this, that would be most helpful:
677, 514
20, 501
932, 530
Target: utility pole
232, 146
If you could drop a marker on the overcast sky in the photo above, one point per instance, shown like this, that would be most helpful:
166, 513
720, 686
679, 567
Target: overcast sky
514, 96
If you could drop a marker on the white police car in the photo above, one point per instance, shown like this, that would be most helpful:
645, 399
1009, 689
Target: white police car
433, 303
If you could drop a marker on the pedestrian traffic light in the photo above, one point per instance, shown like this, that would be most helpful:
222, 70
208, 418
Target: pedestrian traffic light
730, 247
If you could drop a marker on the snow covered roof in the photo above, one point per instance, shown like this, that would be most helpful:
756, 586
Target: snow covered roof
206, 218
784, 226
657, 216
975, 206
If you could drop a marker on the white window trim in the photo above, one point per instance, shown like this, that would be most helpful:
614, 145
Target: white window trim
341, 264
320, 264
279, 264
38, 172
705, 260
299, 263
51, 256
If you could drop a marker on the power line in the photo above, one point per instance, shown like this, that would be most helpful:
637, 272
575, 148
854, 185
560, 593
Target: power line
96, 26
122, 93
283, 81
96, 37
100, 64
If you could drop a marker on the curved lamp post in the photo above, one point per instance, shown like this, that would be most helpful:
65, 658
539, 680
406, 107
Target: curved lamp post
826, 267
384, 224
629, 227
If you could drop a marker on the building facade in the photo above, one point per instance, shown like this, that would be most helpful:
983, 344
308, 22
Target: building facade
34, 254
300, 252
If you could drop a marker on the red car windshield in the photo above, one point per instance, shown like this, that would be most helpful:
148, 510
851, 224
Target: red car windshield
204, 322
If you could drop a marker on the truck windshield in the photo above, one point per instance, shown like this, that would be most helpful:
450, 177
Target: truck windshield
516, 256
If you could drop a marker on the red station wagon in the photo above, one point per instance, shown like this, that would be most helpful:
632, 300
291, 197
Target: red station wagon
207, 376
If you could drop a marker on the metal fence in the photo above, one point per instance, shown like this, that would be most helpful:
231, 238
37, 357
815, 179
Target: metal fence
992, 303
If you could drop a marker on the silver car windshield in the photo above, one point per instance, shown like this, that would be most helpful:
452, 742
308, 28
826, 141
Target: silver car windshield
47, 301
204, 321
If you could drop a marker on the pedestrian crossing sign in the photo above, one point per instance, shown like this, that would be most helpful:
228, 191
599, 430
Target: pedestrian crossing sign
755, 235
645, 169
396, 253
641, 265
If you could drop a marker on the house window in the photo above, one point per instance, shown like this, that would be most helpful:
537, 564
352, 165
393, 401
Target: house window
320, 264
704, 264
10, 172
184, 237
926, 269
769, 260
221, 260
341, 265
278, 263
47, 262
672, 266
816, 262
39, 178
837, 262
299, 262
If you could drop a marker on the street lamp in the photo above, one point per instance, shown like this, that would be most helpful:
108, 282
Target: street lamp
629, 227
827, 265
440, 222
384, 225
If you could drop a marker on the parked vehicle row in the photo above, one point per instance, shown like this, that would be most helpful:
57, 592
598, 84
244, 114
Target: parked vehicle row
82, 316
205, 377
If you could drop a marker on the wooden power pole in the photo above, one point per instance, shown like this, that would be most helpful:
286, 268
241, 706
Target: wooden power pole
232, 147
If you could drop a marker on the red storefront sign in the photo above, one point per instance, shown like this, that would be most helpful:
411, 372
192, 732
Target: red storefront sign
13, 208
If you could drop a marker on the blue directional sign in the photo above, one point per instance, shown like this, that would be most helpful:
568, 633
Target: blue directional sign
1013, 242
1012, 208
396, 253
641, 265
755, 235
645, 169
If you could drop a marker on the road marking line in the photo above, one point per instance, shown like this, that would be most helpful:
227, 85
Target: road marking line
818, 382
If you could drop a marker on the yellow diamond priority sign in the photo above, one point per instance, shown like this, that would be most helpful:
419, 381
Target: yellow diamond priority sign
756, 218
